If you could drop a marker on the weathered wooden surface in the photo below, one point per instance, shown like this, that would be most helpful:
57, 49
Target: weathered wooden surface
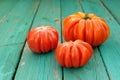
17, 61
16, 17
42, 67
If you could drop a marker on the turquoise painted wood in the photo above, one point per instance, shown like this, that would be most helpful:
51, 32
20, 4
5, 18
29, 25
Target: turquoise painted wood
69, 7
91, 71
110, 49
4, 10
113, 7
17, 22
18, 16
14, 25
42, 67
9, 57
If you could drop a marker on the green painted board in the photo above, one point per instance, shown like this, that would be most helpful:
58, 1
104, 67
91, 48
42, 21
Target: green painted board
9, 57
38, 67
4, 10
110, 49
17, 22
113, 7
13, 29
42, 67
69, 7
94, 69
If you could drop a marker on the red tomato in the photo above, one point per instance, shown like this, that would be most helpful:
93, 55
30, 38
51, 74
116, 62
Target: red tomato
73, 54
87, 27
42, 39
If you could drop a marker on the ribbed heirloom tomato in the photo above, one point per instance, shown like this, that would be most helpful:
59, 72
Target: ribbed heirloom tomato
86, 27
42, 39
73, 54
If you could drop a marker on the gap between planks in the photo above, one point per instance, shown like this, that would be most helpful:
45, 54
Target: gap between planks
104, 64
103, 4
61, 36
25, 43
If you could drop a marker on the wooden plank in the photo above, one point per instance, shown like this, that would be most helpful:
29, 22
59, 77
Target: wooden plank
91, 71
110, 49
44, 66
16, 24
4, 10
9, 57
13, 29
113, 7
69, 7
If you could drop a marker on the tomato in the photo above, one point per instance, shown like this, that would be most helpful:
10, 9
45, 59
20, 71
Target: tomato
42, 39
73, 54
87, 27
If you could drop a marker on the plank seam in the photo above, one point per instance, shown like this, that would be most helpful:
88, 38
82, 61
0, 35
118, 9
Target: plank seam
13, 78
109, 11
104, 64
34, 16
61, 34
61, 20
81, 5
18, 62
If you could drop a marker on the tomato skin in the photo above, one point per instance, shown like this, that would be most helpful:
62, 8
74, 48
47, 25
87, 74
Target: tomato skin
73, 54
87, 27
42, 39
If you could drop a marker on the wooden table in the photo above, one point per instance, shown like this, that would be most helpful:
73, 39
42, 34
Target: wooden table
17, 62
